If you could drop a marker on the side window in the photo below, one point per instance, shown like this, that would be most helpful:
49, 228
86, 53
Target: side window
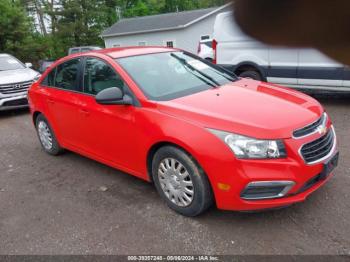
50, 78
67, 75
98, 76
205, 37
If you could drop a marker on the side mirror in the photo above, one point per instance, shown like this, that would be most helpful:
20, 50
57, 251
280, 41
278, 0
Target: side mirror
113, 96
28, 65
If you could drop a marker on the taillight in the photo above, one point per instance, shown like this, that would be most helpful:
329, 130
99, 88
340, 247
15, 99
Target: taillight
199, 48
214, 45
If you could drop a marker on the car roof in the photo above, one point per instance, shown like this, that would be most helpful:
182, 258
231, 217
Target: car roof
120, 52
3, 55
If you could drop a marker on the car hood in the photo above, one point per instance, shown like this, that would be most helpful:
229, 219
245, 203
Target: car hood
17, 76
247, 107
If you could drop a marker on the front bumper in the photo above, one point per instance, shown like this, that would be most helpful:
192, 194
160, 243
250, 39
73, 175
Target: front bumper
14, 101
305, 178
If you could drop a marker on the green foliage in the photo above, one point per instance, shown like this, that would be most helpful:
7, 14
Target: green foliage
61, 24
14, 26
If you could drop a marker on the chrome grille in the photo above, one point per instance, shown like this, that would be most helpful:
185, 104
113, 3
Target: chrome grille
318, 149
312, 128
15, 87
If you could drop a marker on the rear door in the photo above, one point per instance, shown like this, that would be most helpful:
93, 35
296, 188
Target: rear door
64, 104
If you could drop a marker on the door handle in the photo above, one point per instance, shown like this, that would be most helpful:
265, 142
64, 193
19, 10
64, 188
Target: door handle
50, 101
84, 112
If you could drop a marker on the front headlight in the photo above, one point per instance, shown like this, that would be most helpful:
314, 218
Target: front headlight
250, 148
37, 77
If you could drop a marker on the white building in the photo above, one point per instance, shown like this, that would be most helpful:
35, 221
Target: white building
182, 30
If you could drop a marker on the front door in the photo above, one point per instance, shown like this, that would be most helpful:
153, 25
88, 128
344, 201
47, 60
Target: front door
110, 131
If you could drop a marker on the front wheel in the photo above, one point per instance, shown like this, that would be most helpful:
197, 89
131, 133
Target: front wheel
181, 182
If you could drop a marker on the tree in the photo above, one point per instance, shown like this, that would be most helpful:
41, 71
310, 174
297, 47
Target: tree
14, 25
38, 29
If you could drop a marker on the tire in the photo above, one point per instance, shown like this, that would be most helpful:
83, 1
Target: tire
251, 74
170, 182
49, 142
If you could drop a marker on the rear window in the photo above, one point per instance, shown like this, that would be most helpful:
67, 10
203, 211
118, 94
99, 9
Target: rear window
74, 51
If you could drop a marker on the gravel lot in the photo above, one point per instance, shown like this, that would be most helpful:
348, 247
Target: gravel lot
57, 205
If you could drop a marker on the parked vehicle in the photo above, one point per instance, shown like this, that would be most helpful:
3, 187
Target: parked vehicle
198, 132
44, 64
81, 49
15, 79
298, 68
205, 49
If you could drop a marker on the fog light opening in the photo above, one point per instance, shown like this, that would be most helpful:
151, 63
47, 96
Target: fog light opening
266, 190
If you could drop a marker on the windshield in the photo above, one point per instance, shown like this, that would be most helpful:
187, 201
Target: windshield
166, 76
10, 63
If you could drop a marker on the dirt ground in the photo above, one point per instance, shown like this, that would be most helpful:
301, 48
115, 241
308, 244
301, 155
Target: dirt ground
55, 205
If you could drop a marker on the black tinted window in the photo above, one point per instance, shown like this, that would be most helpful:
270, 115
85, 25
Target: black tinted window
50, 78
99, 75
67, 75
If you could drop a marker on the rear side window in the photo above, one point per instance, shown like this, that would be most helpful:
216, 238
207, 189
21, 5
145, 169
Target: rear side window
64, 76
98, 75
74, 51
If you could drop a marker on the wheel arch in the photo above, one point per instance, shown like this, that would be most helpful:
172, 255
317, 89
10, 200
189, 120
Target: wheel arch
35, 116
155, 147
246, 66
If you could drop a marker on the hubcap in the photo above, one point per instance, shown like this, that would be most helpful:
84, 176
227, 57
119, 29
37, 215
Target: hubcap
45, 135
176, 182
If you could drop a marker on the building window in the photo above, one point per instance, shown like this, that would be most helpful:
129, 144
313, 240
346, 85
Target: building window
142, 43
117, 45
170, 43
205, 37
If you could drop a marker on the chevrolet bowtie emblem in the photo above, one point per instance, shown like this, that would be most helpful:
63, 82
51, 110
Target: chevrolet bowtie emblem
322, 130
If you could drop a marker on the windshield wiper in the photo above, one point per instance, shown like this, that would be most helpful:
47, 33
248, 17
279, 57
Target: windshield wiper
191, 67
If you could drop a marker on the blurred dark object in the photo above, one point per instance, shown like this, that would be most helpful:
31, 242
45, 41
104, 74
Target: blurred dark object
44, 64
322, 24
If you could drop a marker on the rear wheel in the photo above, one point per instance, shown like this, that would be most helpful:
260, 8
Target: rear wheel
251, 74
47, 137
181, 182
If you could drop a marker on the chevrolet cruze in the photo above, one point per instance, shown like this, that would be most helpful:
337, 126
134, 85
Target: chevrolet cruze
195, 130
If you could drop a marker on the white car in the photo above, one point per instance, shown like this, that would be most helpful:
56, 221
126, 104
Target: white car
205, 49
301, 68
15, 79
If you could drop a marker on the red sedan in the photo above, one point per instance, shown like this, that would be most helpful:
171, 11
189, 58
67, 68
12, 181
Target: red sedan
195, 130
